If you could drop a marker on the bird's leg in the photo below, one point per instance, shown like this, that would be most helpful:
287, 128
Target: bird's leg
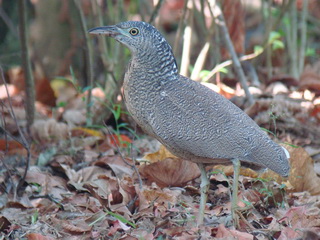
235, 185
204, 193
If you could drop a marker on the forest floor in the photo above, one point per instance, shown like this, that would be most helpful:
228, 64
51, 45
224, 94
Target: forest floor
103, 183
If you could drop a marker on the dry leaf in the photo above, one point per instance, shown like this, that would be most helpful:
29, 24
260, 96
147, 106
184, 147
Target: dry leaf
12, 90
225, 233
170, 172
86, 132
167, 170
302, 175
150, 196
75, 116
45, 131
119, 166
160, 155
37, 236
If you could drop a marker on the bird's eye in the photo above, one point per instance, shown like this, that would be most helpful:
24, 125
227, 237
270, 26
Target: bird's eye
134, 31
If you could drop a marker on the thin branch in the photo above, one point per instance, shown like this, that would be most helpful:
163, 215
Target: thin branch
122, 157
8, 22
102, 41
23, 141
185, 61
228, 63
294, 40
237, 66
267, 34
89, 61
134, 159
180, 26
303, 34
155, 11
29, 81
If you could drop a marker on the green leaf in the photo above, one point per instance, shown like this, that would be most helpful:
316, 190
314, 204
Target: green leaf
286, 20
86, 88
122, 219
204, 73
122, 125
247, 203
34, 217
117, 111
310, 52
268, 131
291, 145
273, 36
258, 49
37, 185
223, 70
277, 44
73, 75
61, 104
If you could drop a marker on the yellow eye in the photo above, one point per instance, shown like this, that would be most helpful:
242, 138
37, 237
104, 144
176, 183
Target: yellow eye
134, 31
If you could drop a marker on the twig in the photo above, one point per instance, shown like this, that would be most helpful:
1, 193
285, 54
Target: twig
216, 30
134, 159
155, 11
228, 63
50, 198
23, 141
89, 61
267, 34
122, 157
237, 66
102, 41
207, 34
30, 90
294, 39
7, 147
185, 61
303, 34
180, 26
8, 22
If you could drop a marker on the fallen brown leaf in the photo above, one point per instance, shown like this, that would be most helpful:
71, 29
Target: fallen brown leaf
225, 233
148, 196
168, 170
47, 131
302, 175
38, 236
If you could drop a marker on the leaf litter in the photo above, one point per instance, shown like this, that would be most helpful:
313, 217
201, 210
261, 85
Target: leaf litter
85, 189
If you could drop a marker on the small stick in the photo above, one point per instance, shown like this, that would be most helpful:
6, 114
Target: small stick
122, 157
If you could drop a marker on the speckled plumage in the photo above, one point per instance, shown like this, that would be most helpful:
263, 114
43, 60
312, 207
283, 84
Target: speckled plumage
192, 121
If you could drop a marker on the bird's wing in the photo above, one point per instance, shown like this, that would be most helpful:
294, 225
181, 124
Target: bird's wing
193, 119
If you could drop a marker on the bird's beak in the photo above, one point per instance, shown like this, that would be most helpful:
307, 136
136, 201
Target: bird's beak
110, 31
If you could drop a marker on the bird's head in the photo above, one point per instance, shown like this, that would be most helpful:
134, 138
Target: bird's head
140, 37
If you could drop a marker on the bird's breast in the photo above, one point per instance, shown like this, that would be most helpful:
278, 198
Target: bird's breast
141, 93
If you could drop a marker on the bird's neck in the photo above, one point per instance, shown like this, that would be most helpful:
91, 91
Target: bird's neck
158, 65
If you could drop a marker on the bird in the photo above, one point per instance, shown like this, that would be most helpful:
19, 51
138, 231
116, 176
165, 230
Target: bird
192, 121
